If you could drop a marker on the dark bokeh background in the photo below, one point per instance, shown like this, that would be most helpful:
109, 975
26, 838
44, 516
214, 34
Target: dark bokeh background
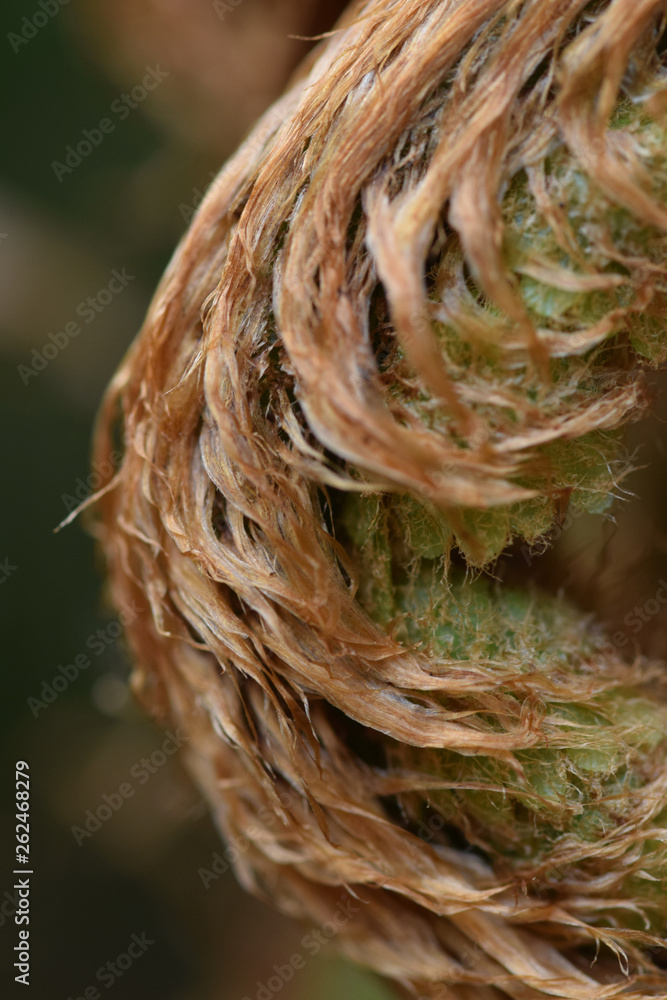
124, 207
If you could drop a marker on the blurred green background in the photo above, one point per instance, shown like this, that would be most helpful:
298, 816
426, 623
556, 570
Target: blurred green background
62, 235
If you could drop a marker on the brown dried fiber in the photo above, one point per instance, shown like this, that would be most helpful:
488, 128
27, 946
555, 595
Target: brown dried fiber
357, 311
